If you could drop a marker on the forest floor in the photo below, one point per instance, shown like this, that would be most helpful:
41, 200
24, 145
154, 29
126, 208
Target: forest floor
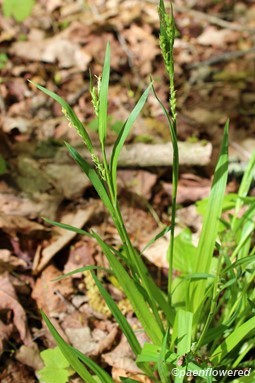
56, 46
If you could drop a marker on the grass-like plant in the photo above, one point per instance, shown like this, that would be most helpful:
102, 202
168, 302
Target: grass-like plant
206, 318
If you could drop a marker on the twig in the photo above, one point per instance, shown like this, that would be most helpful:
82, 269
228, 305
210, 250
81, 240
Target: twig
209, 18
223, 57
214, 20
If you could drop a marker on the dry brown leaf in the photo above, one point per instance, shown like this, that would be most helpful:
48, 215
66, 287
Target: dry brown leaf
30, 356
51, 296
53, 50
13, 224
15, 372
120, 372
122, 357
9, 300
217, 38
191, 188
137, 181
8, 261
41, 204
76, 219
81, 254
5, 332
91, 343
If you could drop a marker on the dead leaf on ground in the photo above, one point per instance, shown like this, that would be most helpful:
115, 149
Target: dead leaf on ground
53, 50
41, 204
81, 254
14, 372
191, 188
91, 342
12, 225
120, 372
30, 356
8, 262
76, 219
51, 296
217, 37
122, 357
9, 300
138, 181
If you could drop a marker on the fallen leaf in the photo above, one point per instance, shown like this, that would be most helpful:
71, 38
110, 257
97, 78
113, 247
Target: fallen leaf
9, 300
51, 296
138, 181
91, 343
53, 50
5, 332
8, 262
76, 219
13, 224
122, 357
217, 37
30, 356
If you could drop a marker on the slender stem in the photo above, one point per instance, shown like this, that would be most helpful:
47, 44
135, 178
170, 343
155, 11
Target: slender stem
175, 175
139, 265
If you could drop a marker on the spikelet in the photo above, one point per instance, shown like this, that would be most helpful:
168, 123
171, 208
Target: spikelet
166, 42
94, 92
99, 166
70, 123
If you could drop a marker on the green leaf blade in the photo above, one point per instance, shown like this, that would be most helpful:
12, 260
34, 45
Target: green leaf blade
94, 178
103, 97
125, 131
70, 115
120, 318
68, 353
135, 297
209, 232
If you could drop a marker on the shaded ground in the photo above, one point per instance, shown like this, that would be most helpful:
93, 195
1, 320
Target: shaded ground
55, 47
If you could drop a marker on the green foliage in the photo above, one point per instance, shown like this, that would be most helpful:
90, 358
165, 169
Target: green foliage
115, 126
207, 315
57, 368
20, 10
3, 60
3, 166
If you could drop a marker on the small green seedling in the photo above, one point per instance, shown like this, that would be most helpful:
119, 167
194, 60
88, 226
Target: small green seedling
17, 9
57, 368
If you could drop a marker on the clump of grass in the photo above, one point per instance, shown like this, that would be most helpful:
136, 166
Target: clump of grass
207, 317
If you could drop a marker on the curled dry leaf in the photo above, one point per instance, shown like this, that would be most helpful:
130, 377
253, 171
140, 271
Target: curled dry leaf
76, 219
8, 262
52, 50
9, 300
122, 357
13, 224
51, 296
90, 342
5, 333
120, 372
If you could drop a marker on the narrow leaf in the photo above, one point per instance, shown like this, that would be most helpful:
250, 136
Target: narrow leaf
103, 97
124, 133
94, 178
120, 318
98, 371
67, 227
68, 353
157, 236
70, 115
135, 297
232, 341
210, 225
